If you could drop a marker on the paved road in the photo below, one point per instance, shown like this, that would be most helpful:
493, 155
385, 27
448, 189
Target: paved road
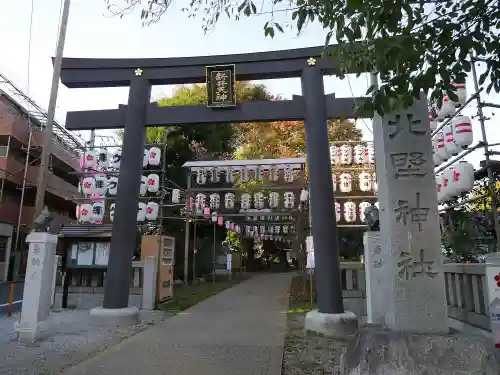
240, 331
4, 296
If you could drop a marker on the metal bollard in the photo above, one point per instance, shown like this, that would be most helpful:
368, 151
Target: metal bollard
11, 299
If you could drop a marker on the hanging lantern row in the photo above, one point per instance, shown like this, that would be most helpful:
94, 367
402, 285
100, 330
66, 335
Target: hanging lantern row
269, 229
102, 160
454, 137
366, 182
245, 174
347, 154
269, 218
94, 213
455, 181
448, 106
259, 199
99, 185
350, 212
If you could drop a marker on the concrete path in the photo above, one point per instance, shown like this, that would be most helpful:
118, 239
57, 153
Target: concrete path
240, 331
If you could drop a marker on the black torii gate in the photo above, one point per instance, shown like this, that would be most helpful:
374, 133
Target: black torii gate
314, 107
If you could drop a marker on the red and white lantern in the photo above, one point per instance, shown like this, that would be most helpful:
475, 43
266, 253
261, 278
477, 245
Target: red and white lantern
338, 213
439, 187
461, 93
463, 177
85, 213
462, 131
449, 141
440, 147
435, 156
145, 160
141, 212
90, 159
350, 212
152, 209
345, 184
359, 154
153, 183
154, 156
362, 208
345, 154
448, 190
144, 185
88, 185
365, 181
447, 108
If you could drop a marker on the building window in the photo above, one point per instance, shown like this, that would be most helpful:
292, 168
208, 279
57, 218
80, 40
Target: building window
3, 151
3, 248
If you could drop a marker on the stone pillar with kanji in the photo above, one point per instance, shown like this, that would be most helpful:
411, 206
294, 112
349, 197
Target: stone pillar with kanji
409, 229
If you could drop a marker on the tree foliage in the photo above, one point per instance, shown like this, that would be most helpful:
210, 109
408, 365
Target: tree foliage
414, 44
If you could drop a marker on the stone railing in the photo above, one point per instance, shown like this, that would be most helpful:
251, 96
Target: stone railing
467, 293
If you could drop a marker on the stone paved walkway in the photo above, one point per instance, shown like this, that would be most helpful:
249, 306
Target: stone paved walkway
240, 331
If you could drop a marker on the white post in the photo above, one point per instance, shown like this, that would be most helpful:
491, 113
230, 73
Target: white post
149, 283
493, 282
374, 276
37, 285
54, 280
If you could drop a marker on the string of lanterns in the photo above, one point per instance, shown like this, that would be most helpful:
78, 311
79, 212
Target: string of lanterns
366, 182
346, 154
350, 212
102, 160
95, 212
245, 174
454, 181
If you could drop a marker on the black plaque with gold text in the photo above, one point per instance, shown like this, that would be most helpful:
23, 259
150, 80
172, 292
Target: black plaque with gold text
221, 91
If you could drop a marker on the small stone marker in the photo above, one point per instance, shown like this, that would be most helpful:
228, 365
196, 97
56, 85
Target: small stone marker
410, 243
375, 275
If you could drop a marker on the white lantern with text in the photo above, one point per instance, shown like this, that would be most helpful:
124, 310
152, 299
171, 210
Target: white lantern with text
215, 175
289, 199
145, 158
229, 201
274, 174
103, 158
152, 209
439, 187
141, 212
463, 177
244, 175
288, 173
449, 141
90, 159
448, 191
374, 183
98, 212
86, 213
365, 182
334, 182
345, 154
345, 184
101, 185
153, 183
112, 212
362, 208
112, 185
201, 176
144, 186
274, 199
304, 195
258, 200
245, 201
447, 108
176, 196
214, 201
200, 202
154, 156
338, 213
359, 153
116, 158
88, 185
462, 131
334, 154
350, 212
441, 149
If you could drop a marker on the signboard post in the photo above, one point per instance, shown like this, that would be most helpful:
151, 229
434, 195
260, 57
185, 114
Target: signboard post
493, 277
221, 90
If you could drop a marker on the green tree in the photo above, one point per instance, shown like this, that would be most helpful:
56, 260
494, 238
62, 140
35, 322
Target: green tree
414, 45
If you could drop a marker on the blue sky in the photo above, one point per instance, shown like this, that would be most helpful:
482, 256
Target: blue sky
92, 32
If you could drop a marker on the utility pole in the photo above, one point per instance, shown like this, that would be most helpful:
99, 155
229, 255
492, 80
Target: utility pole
47, 144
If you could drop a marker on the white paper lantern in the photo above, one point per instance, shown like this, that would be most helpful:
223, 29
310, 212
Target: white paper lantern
77, 212
227, 224
153, 183
334, 154
233, 175
152, 209
112, 212
215, 175
112, 185
86, 213
288, 173
441, 148
435, 155
229, 201
365, 181
289, 199
285, 229
359, 154
98, 211
144, 185
304, 195
432, 122
88, 185
370, 153
448, 190
141, 212
377, 204
145, 159
463, 177
80, 190
338, 213
345, 184
449, 142
201, 176
345, 154
154, 156
103, 160
350, 212
362, 208
176, 196
258, 200
244, 175
101, 185
274, 174
462, 131
461, 93
334, 182
200, 202
116, 158
447, 108
245, 201
214, 201
90, 159
274, 199
439, 187
374, 183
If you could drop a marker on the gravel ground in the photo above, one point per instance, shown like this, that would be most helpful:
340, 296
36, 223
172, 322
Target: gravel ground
69, 338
